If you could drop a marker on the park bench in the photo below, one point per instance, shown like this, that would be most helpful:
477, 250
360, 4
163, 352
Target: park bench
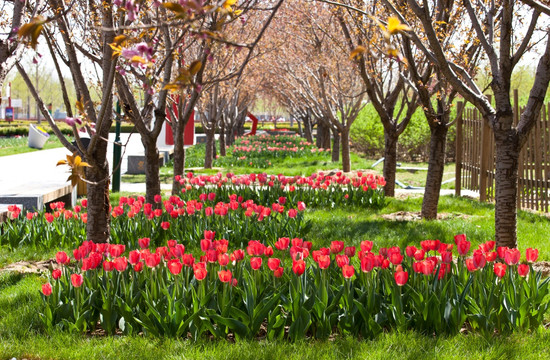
35, 197
136, 162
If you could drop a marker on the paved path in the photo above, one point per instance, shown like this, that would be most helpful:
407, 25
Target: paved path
24, 173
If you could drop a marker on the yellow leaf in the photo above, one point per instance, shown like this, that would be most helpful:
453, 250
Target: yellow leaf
395, 26
357, 52
195, 67
119, 39
138, 59
174, 7
61, 162
170, 87
32, 30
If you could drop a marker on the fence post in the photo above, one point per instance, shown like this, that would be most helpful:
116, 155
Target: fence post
459, 147
484, 163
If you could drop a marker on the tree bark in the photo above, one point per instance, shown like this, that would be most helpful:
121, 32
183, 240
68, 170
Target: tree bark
506, 177
179, 154
390, 162
98, 221
222, 137
436, 166
346, 160
307, 129
152, 168
335, 145
209, 153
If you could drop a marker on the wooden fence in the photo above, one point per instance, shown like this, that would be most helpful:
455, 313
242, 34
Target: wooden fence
475, 159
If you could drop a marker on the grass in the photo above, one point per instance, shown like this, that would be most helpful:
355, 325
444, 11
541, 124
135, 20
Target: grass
22, 336
19, 145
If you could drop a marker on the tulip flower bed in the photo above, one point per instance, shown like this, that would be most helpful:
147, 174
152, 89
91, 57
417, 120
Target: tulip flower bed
235, 220
291, 291
262, 151
317, 190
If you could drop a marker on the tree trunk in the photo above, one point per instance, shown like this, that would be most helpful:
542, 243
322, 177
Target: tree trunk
390, 162
209, 153
152, 169
222, 137
307, 129
320, 134
506, 177
179, 155
436, 166
335, 145
346, 161
98, 222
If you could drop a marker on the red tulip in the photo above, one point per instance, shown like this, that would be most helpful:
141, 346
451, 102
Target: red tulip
225, 275
341, 260
349, 251
463, 247
446, 257
144, 243
165, 225
348, 271
499, 269
479, 259
491, 256
336, 247
77, 280
512, 256
470, 265
256, 262
366, 245
523, 270
121, 263
223, 259
175, 266
237, 255
273, 263
367, 263
268, 251
401, 277
108, 265
292, 213
410, 250
396, 258
282, 243
158, 198
299, 267
134, 257
419, 254
323, 261
172, 243
62, 258
278, 272
459, 238
153, 260
138, 267
116, 250
56, 274
200, 273
531, 255
47, 289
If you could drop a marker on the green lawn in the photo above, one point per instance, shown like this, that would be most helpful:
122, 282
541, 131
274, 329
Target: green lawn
19, 145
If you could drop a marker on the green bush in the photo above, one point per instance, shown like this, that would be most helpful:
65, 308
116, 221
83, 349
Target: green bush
367, 136
22, 128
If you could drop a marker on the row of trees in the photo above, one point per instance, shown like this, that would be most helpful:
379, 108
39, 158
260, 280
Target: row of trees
425, 55
322, 60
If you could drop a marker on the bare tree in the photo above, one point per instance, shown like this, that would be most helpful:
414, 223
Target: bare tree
504, 41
